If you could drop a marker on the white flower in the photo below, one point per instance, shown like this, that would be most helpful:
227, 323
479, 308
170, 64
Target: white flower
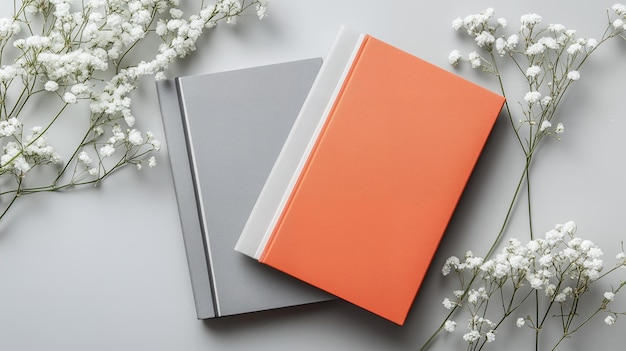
491, 336
549, 42
533, 71
449, 326
455, 57
535, 49
156, 144
152, 162
545, 260
98, 131
457, 23
520, 322
475, 60
560, 297
176, 13
8, 28
37, 42
135, 138
535, 282
96, 3
529, 20
512, 41
473, 296
554, 236
51, 85
473, 262
159, 76
451, 262
609, 295
532, 97
447, 303
573, 75
475, 23
519, 262
501, 46
560, 128
69, 98
618, 23
609, 320
570, 33
84, 158
595, 252
261, 10
533, 245
9, 127
502, 22
556, 28
484, 39
21, 164
568, 227
545, 125
471, 336
570, 253
574, 48
591, 44
161, 28
107, 150
619, 9
550, 290
13, 157
545, 101
80, 89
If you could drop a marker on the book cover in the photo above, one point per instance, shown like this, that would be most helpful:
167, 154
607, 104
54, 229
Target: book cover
370, 175
223, 134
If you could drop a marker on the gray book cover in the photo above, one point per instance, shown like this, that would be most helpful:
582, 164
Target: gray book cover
224, 132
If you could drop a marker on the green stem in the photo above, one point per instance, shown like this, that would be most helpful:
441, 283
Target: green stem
509, 211
537, 319
528, 192
15, 196
489, 253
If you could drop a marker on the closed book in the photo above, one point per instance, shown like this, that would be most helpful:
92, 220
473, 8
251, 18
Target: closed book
370, 175
223, 133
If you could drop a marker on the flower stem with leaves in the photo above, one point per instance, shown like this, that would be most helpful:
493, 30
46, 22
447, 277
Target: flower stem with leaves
550, 59
67, 54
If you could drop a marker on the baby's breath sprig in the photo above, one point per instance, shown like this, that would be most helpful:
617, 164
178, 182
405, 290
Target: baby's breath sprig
549, 60
559, 268
553, 273
89, 53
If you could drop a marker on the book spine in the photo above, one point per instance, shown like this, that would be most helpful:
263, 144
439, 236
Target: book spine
181, 161
303, 165
273, 196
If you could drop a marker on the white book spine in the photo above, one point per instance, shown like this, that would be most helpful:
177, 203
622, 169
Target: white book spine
299, 144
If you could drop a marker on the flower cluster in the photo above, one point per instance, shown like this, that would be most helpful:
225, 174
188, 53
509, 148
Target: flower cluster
548, 57
561, 266
90, 53
548, 276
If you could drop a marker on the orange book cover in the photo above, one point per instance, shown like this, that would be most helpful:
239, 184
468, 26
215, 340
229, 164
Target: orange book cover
374, 195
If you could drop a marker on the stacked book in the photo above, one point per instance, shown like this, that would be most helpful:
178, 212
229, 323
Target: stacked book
313, 180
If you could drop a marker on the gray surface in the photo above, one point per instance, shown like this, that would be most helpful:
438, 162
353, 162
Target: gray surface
236, 123
105, 268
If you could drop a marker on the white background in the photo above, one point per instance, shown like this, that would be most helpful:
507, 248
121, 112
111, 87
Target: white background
105, 269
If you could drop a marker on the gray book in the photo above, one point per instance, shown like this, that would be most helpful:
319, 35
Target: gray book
224, 132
